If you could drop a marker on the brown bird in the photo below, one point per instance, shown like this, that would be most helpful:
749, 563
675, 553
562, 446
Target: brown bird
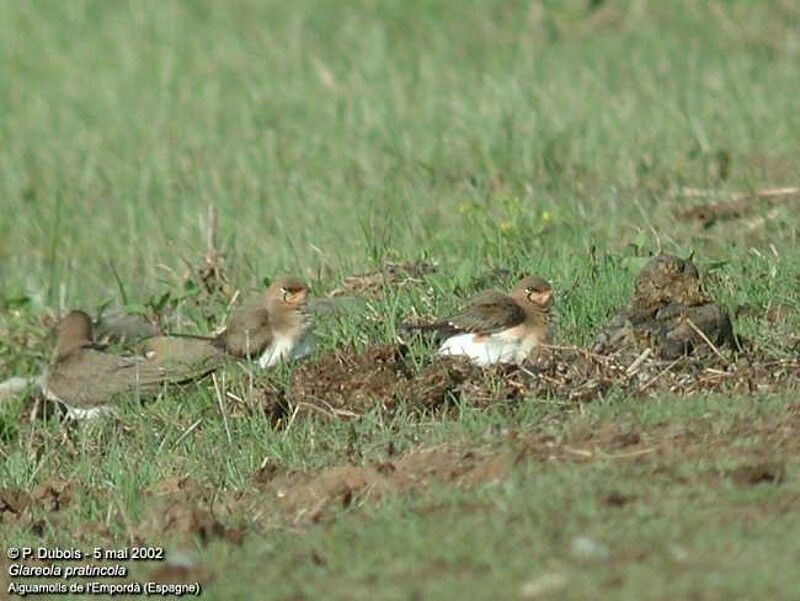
267, 328
114, 324
88, 381
663, 280
274, 326
497, 327
184, 357
679, 334
667, 309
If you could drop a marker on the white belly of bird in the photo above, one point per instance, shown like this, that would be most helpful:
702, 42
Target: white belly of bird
496, 348
285, 348
76, 413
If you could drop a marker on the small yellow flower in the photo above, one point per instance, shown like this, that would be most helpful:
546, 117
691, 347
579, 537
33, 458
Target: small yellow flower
463, 207
547, 216
505, 226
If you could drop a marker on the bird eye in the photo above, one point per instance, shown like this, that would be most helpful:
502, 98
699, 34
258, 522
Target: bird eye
284, 293
528, 290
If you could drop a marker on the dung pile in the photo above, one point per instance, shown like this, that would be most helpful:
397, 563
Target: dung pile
576, 374
450, 380
713, 374
346, 383
572, 374
669, 313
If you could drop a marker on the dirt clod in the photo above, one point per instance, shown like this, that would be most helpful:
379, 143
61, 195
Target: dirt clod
54, 495
617, 499
371, 284
306, 496
13, 503
186, 521
769, 472
346, 383
181, 509
440, 384
268, 471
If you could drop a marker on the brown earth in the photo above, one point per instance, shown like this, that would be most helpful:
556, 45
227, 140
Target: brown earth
371, 284
737, 205
346, 383
182, 511
170, 573
302, 497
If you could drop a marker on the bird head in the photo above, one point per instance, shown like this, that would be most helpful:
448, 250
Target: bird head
667, 278
288, 291
535, 291
665, 268
73, 331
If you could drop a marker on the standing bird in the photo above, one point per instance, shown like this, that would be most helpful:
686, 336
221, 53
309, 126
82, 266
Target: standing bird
88, 381
267, 328
499, 328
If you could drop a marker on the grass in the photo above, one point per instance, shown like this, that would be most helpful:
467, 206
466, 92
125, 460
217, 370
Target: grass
547, 137
669, 540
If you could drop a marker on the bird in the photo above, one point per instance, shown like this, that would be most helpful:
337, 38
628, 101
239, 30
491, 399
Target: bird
184, 357
114, 324
663, 280
274, 326
683, 325
266, 328
499, 328
667, 309
87, 380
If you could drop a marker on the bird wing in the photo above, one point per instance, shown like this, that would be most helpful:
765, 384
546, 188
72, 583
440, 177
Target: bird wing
184, 358
90, 378
249, 331
115, 324
488, 313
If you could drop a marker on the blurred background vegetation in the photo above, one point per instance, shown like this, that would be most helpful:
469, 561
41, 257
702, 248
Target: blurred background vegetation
332, 135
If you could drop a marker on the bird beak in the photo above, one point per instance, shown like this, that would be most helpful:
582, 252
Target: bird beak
541, 298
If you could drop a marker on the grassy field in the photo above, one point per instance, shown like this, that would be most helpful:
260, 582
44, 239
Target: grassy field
491, 139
